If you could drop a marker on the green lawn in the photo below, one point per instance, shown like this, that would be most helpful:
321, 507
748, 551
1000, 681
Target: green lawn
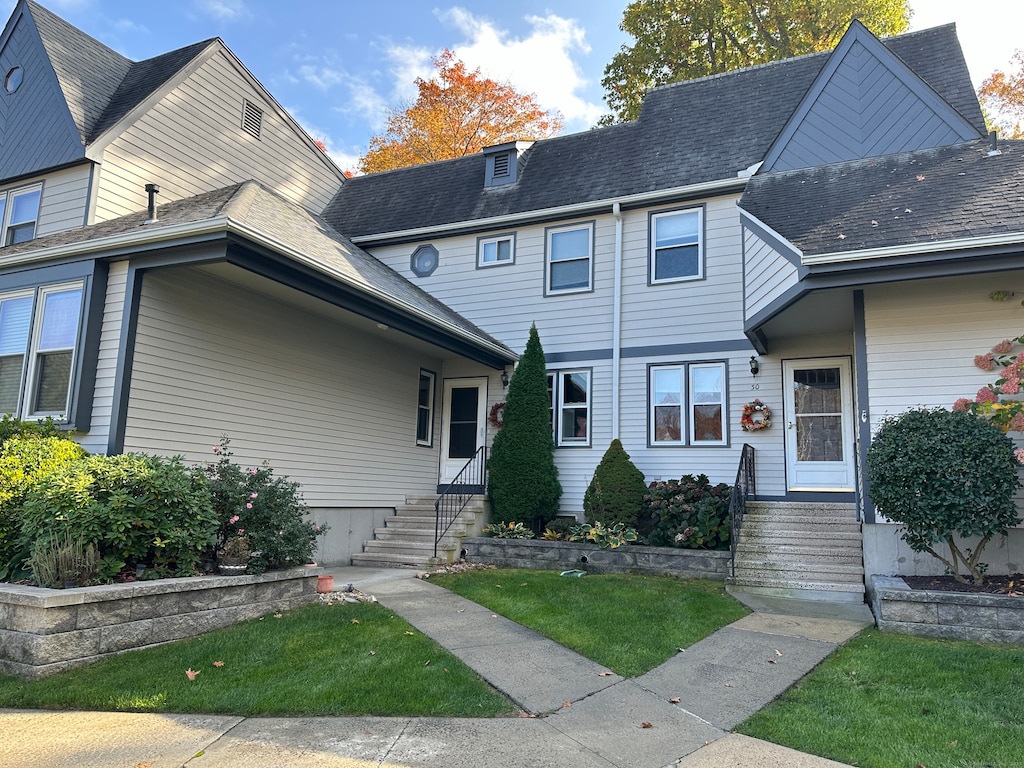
891, 701
629, 624
339, 659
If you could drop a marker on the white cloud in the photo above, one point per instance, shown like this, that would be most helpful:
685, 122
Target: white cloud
408, 64
323, 78
540, 63
226, 10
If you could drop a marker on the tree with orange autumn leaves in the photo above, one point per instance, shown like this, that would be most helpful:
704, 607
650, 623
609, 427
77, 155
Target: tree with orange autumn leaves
457, 113
1002, 98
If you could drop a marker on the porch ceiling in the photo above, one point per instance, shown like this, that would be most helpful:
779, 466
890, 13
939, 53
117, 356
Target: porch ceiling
815, 314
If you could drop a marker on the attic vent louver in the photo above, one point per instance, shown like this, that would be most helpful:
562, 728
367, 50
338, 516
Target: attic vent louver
252, 119
502, 164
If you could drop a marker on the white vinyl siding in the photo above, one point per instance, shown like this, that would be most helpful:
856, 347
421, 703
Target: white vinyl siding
768, 273
95, 441
215, 359
159, 148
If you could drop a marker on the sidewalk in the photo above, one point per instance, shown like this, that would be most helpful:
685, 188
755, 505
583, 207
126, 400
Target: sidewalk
583, 718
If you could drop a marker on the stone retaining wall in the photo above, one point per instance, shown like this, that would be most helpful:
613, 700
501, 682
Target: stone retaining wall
43, 631
949, 615
564, 555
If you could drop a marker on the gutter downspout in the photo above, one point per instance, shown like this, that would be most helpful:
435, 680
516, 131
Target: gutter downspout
617, 320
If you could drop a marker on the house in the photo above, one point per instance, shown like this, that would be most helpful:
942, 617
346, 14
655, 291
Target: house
820, 234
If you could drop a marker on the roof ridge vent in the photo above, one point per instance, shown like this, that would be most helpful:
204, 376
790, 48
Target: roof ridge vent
501, 162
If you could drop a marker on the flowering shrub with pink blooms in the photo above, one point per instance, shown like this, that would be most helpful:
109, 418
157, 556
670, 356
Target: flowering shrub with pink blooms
265, 512
1007, 359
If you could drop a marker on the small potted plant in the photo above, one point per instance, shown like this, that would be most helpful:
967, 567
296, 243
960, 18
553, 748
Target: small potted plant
233, 556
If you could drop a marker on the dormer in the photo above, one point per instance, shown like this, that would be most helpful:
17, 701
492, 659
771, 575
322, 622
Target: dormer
502, 162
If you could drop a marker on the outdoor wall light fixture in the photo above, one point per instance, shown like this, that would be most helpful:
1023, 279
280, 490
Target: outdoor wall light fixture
755, 366
504, 379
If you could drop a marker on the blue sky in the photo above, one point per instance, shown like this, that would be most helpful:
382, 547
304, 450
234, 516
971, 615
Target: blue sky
338, 65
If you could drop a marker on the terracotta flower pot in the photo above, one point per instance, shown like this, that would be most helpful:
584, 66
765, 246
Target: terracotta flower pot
324, 583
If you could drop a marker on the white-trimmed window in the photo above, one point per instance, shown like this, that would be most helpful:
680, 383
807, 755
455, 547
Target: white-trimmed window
38, 338
19, 210
497, 250
569, 259
687, 404
676, 248
425, 409
570, 406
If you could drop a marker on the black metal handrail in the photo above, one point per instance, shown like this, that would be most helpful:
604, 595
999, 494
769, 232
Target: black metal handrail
471, 480
742, 489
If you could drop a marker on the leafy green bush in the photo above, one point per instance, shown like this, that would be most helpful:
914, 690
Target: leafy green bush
617, 490
522, 480
134, 508
690, 513
507, 531
558, 529
12, 427
25, 456
612, 536
944, 474
267, 511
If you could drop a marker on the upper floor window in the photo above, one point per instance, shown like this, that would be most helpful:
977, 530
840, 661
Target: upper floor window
676, 247
425, 409
19, 210
492, 251
38, 338
570, 262
570, 407
687, 404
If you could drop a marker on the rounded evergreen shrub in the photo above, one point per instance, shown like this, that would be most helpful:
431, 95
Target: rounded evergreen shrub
522, 479
136, 509
944, 474
25, 457
616, 492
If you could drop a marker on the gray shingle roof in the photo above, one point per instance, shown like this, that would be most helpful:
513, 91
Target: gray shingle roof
99, 84
932, 195
321, 247
688, 133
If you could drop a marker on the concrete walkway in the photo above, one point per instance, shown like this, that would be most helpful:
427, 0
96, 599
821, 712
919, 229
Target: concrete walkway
578, 714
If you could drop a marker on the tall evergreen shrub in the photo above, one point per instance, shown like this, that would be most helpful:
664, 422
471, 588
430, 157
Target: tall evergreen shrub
617, 490
522, 480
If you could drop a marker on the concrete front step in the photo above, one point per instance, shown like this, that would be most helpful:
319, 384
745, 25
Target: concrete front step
792, 583
797, 593
798, 552
390, 560
798, 523
801, 567
781, 536
756, 576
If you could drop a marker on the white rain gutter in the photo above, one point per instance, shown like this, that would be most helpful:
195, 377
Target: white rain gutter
617, 321
564, 211
914, 249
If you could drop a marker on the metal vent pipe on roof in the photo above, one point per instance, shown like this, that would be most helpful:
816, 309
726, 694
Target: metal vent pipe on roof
152, 190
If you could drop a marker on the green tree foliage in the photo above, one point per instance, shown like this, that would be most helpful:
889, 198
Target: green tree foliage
24, 458
944, 474
616, 492
683, 39
522, 480
689, 513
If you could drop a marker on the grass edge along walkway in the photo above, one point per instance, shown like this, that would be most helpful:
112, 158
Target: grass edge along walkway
338, 659
891, 701
599, 616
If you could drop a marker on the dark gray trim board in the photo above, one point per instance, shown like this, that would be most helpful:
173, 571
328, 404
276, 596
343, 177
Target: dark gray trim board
84, 384
658, 350
861, 404
125, 360
781, 246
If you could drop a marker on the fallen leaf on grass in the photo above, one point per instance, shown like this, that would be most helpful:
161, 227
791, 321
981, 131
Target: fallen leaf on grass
191, 673
355, 621
277, 615
646, 725
373, 653
410, 633
218, 663
426, 663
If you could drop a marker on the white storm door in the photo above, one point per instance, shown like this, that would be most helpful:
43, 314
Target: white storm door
463, 424
819, 425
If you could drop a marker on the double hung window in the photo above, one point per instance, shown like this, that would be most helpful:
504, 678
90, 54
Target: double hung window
38, 339
570, 259
19, 210
676, 247
687, 404
425, 409
570, 407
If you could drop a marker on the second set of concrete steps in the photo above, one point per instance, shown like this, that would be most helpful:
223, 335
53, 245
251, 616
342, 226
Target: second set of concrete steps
407, 539
804, 550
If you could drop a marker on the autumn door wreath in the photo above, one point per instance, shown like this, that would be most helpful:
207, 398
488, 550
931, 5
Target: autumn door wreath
496, 418
756, 415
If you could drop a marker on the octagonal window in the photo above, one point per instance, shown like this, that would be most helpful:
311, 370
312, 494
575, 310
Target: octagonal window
424, 260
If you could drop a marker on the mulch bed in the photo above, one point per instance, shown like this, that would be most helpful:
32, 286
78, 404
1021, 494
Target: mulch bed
1012, 584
